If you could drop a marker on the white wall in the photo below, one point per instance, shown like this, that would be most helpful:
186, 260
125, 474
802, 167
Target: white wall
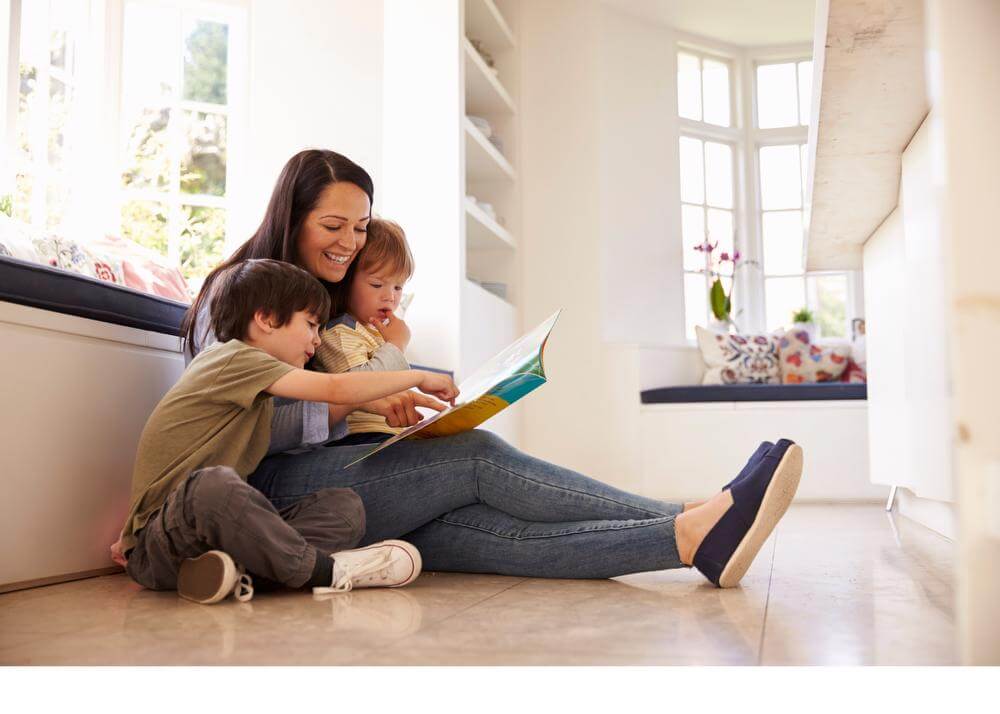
315, 81
422, 187
569, 421
965, 88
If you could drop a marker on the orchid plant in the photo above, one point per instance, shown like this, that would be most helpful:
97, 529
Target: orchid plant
719, 300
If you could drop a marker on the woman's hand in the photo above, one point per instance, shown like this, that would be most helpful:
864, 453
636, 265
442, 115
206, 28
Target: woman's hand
400, 409
438, 385
395, 331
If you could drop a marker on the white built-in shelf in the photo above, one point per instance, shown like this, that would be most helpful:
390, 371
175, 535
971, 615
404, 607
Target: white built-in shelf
484, 233
483, 162
483, 92
483, 302
484, 22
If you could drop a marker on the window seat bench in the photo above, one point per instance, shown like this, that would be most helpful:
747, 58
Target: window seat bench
693, 394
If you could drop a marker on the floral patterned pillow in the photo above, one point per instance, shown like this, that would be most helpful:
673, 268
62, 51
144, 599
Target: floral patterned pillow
802, 361
739, 359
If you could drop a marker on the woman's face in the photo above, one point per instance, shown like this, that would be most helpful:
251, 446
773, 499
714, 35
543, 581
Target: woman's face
334, 231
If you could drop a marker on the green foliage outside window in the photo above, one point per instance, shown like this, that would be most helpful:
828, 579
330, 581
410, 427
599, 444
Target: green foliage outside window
205, 67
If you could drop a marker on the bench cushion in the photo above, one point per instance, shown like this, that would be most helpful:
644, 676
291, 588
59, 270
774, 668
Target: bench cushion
754, 393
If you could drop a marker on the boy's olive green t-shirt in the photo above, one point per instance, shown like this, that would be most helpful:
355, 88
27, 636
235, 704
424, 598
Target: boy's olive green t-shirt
217, 414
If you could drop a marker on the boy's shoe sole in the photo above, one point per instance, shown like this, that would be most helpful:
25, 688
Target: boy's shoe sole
208, 578
778, 496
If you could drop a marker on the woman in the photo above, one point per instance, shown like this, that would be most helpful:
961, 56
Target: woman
472, 502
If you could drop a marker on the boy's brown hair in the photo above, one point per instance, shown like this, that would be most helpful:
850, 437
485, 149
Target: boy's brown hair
386, 249
275, 287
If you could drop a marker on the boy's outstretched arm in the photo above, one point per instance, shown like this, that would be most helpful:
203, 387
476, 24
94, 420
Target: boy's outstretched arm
358, 387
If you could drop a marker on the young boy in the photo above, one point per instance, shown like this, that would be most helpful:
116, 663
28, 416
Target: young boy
350, 340
193, 517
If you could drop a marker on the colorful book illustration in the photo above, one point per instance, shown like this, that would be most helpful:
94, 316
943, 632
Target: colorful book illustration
500, 382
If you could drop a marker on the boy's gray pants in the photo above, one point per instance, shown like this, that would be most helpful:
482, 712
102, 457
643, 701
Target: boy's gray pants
214, 509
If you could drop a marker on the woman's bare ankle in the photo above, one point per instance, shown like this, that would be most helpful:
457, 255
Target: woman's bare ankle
691, 526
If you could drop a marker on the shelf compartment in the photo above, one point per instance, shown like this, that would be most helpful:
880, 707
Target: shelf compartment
491, 309
484, 233
484, 22
483, 161
484, 94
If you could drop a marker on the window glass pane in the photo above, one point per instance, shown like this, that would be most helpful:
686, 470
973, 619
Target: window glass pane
720, 231
56, 203
693, 233
695, 303
59, 109
805, 91
149, 55
692, 171
27, 111
688, 86
777, 90
782, 234
783, 297
780, 177
718, 174
205, 47
715, 76
147, 157
828, 299
203, 166
202, 240
24, 189
145, 222
149, 78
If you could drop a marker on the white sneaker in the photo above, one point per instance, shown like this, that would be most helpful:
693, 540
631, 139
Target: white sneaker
387, 564
212, 577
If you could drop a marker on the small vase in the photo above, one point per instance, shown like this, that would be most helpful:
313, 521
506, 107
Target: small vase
808, 327
719, 326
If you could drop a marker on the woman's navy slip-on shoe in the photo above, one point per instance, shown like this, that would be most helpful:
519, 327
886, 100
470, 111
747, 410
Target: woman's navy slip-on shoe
757, 456
759, 502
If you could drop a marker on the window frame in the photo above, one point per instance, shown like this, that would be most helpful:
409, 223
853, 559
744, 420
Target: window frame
235, 16
102, 116
747, 140
731, 136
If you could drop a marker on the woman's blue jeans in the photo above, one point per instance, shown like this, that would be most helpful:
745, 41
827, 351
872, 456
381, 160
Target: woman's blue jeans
473, 503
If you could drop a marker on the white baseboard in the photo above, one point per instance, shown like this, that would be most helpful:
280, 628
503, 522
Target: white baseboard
939, 516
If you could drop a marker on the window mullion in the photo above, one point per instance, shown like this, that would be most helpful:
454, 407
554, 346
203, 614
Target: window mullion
176, 133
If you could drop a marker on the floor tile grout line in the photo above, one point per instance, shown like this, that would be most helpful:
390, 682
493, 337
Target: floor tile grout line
767, 601
437, 623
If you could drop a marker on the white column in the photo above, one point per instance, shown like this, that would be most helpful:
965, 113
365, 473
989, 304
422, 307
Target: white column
964, 72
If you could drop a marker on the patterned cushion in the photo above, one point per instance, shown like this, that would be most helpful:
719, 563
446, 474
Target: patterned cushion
739, 359
15, 240
854, 373
802, 361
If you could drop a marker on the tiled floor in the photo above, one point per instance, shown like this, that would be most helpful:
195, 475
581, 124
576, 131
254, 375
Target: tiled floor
836, 584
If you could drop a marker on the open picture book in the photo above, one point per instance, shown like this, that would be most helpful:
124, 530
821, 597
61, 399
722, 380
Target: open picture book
500, 382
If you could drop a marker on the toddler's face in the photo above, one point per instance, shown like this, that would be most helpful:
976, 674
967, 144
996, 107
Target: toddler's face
374, 294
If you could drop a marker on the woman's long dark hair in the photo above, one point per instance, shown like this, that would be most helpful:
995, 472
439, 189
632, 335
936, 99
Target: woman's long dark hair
303, 179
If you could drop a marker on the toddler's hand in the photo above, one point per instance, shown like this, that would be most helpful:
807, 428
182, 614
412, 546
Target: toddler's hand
439, 385
396, 331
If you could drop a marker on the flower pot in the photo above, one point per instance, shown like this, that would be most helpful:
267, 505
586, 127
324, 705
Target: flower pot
808, 327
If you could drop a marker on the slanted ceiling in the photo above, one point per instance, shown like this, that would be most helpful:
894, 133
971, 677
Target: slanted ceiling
872, 100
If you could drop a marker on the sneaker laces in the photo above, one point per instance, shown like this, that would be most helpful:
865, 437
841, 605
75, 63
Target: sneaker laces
349, 574
243, 589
